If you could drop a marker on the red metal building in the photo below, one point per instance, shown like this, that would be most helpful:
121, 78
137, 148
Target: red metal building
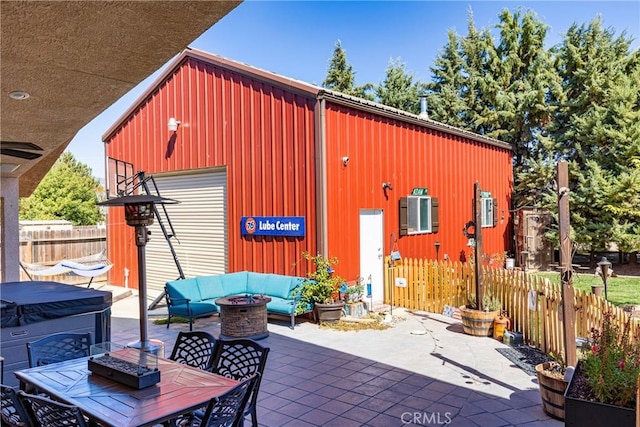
251, 143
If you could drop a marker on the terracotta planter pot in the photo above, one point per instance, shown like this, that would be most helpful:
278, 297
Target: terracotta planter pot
580, 412
477, 323
551, 391
329, 312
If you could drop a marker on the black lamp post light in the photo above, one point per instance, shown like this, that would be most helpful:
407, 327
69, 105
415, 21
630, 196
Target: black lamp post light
604, 265
138, 212
437, 249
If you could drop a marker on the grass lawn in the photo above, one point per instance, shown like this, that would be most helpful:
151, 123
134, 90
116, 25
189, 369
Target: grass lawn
620, 290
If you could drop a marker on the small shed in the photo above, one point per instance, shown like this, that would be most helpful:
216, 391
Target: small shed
267, 167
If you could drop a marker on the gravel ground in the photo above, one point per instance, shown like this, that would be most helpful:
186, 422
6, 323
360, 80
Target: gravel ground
525, 357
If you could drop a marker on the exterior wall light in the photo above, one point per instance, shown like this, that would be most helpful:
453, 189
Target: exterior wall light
173, 124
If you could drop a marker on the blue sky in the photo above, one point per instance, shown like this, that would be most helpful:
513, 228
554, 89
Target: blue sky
296, 39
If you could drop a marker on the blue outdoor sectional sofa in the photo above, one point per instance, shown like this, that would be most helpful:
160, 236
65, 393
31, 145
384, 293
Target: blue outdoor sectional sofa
195, 297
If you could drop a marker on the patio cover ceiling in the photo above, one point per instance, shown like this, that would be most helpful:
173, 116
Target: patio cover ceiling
75, 59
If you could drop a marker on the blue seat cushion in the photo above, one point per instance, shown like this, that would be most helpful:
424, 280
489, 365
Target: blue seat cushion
184, 289
210, 287
256, 283
197, 309
273, 285
234, 283
281, 305
212, 301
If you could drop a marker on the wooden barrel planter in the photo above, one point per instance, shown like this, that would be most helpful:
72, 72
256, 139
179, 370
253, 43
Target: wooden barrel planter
478, 323
551, 391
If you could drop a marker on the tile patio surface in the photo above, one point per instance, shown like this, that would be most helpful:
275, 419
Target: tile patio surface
422, 371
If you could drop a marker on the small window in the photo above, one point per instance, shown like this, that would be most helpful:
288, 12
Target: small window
487, 212
418, 214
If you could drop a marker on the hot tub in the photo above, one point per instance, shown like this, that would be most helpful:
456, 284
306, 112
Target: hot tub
32, 310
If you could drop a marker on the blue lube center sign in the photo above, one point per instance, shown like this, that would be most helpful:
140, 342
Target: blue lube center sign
273, 226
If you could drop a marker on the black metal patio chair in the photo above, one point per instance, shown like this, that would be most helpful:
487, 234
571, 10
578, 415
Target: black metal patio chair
12, 413
58, 348
44, 412
240, 359
195, 349
224, 411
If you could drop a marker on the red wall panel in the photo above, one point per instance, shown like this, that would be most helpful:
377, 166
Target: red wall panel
262, 134
408, 155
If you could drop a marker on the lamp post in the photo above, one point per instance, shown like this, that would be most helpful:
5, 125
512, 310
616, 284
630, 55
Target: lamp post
437, 249
604, 265
138, 213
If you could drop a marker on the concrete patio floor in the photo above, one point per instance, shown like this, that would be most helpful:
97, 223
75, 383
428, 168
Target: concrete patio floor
422, 371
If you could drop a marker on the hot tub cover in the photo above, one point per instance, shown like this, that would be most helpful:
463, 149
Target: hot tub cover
23, 303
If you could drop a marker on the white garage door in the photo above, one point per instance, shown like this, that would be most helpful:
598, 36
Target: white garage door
199, 221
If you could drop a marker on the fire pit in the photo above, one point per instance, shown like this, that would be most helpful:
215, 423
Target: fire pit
141, 373
243, 316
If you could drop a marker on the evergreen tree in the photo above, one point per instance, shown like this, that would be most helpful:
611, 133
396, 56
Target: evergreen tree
398, 89
341, 77
447, 84
597, 130
68, 191
501, 90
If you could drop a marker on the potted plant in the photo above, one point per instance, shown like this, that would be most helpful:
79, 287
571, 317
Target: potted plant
552, 384
321, 288
354, 293
480, 322
604, 386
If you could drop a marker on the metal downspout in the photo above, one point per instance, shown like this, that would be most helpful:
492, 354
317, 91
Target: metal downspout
321, 180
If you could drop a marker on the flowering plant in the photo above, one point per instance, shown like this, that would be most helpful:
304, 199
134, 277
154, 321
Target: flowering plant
321, 285
612, 365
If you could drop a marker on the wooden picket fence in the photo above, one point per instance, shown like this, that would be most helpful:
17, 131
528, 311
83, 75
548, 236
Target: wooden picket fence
49, 247
533, 304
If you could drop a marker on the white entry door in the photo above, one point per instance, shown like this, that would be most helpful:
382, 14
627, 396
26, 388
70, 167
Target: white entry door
372, 252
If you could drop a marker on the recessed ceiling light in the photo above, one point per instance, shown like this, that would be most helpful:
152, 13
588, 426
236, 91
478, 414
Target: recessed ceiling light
18, 95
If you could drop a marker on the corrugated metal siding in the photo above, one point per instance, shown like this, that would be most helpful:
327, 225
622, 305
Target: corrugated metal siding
407, 155
199, 222
261, 133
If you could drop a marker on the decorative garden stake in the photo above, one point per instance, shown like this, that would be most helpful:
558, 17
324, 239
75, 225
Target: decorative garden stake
604, 265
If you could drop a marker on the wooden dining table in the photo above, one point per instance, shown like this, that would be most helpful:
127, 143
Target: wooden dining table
181, 390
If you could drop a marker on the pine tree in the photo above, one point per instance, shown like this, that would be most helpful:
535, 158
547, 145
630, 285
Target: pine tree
597, 130
68, 191
341, 77
447, 84
500, 90
398, 89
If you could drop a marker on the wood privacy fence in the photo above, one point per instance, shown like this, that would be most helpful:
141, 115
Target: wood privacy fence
49, 247
533, 304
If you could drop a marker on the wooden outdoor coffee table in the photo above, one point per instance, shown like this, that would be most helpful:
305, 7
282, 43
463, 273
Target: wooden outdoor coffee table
243, 316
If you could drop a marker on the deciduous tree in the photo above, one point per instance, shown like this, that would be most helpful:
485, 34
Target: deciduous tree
68, 191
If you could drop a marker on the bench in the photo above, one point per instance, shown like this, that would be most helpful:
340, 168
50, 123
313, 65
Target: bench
195, 297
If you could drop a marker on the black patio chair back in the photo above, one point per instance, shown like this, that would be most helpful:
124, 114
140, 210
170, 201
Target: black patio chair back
12, 413
58, 348
228, 410
195, 349
44, 412
240, 359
